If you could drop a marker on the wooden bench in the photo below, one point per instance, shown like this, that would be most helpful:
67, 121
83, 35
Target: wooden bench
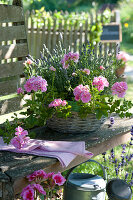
13, 166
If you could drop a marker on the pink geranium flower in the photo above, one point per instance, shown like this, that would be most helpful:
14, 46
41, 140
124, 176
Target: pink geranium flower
119, 88
35, 84
57, 102
28, 193
100, 82
59, 179
85, 96
37, 174
20, 140
21, 131
20, 91
86, 71
68, 58
122, 56
82, 93
39, 188
63, 103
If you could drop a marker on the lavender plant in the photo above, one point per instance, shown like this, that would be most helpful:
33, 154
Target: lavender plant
119, 164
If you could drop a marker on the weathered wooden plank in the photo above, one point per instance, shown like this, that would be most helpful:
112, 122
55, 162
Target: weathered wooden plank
11, 69
10, 105
13, 51
12, 33
10, 13
10, 86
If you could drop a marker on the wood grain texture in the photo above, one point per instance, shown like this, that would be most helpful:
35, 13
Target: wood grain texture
10, 105
12, 33
9, 13
11, 69
13, 51
10, 86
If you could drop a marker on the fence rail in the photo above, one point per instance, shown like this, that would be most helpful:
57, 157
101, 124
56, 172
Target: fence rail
74, 36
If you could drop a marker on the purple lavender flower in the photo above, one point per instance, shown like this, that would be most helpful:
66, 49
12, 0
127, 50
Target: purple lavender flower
116, 171
111, 120
126, 176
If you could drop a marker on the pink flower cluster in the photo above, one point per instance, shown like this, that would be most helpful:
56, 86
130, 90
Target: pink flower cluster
57, 102
35, 84
20, 140
122, 56
119, 88
69, 57
82, 93
100, 82
86, 71
20, 91
39, 174
29, 191
51, 179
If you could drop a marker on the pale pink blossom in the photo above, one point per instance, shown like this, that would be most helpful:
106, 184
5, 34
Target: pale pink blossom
64, 102
100, 82
68, 58
37, 174
57, 102
86, 71
28, 193
19, 141
101, 67
122, 56
39, 188
77, 91
52, 68
82, 93
59, 179
85, 96
119, 88
21, 131
74, 74
20, 91
28, 62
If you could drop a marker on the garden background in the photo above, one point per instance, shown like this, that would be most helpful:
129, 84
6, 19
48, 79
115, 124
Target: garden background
74, 16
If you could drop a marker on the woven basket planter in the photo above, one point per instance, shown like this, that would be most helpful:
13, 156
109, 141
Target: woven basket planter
120, 71
75, 124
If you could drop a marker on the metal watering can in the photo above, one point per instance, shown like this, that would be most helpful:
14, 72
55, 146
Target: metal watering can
84, 186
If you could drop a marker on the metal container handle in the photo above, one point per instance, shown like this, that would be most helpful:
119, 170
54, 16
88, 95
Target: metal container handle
90, 160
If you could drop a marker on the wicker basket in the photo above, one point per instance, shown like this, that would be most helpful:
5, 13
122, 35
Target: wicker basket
75, 124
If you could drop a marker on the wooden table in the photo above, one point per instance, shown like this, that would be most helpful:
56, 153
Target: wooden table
13, 166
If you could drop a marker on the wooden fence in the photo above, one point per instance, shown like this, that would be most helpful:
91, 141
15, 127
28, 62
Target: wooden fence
73, 37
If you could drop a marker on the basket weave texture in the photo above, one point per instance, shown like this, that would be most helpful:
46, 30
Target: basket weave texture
75, 124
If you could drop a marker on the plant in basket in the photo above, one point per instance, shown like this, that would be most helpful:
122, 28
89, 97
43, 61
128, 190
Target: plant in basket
122, 59
72, 92
80, 87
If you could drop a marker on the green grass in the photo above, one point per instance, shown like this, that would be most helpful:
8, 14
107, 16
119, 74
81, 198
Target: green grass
130, 63
127, 47
129, 93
